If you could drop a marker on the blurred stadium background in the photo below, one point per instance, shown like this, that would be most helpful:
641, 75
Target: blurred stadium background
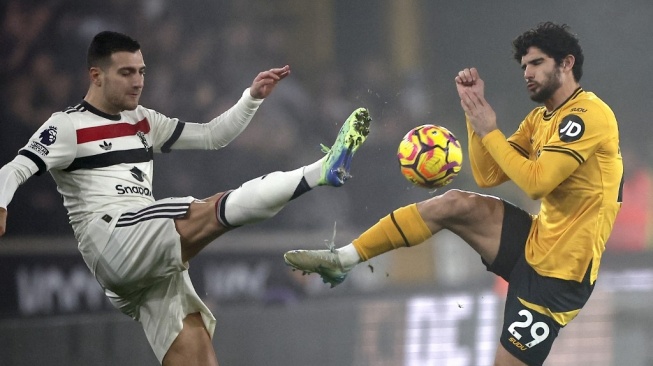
430, 305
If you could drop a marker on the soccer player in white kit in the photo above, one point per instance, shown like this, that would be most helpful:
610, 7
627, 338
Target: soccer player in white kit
100, 154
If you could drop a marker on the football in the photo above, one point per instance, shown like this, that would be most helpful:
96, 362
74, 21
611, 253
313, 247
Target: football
430, 156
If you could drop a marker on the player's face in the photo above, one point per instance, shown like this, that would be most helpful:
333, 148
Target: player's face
543, 76
122, 81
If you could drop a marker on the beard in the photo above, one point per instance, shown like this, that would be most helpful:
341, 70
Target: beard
123, 103
548, 88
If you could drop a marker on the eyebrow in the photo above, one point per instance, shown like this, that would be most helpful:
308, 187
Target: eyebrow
533, 61
130, 68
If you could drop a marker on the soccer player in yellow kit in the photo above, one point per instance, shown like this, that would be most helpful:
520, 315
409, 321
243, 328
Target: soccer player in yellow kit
565, 152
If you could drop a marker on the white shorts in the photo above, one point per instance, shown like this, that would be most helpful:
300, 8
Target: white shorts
136, 256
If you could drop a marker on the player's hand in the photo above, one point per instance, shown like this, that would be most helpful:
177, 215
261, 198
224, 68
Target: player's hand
3, 220
471, 90
265, 81
469, 80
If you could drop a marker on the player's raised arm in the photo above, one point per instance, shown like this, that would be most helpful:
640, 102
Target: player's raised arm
265, 81
471, 90
12, 175
220, 131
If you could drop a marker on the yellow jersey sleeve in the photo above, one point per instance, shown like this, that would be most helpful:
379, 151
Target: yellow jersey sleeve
535, 177
486, 172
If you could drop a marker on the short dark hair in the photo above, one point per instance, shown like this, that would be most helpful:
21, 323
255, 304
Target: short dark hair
106, 43
555, 41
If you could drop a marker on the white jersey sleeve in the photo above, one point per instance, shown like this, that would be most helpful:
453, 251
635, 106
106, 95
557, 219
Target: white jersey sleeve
53, 145
12, 175
220, 131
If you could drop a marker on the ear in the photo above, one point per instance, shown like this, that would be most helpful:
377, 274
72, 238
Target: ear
95, 76
568, 62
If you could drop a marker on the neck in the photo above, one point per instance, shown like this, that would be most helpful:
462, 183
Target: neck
94, 98
560, 96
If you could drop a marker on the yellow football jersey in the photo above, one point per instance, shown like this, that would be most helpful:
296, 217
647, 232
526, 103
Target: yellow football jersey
570, 159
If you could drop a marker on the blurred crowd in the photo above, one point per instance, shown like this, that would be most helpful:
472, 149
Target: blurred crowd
200, 56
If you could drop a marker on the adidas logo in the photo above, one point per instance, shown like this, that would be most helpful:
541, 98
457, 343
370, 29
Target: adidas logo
106, 146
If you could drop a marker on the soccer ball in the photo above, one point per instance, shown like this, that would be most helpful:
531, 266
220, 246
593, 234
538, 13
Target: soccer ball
430, 156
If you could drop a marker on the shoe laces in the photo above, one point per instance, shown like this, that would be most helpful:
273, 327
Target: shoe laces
325, 149
332, 245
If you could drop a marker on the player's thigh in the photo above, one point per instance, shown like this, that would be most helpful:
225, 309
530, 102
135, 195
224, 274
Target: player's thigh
536, 309
505, 358
476, 218
163, 310
200, 226
193, 345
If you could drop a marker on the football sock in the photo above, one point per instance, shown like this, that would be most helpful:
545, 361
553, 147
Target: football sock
312, 172
348, 256
263, 197
404, 227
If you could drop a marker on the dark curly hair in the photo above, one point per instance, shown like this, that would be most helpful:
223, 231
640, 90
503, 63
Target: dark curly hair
555, 41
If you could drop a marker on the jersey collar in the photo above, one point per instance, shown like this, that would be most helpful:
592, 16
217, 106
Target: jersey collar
90, 108
572, 96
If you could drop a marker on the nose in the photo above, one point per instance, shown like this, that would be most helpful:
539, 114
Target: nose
139, 81
528, 75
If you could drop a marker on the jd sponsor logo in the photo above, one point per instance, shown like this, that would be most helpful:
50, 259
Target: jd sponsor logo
571, 128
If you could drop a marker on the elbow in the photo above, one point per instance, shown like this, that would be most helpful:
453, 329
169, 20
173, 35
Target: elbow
537, 193
487, 181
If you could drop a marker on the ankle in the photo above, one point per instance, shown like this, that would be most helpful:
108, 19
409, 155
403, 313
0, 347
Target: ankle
348, 256
312, 173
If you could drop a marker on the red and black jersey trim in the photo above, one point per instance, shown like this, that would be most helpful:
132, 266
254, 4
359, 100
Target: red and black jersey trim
171, 210
111, 158
111, 131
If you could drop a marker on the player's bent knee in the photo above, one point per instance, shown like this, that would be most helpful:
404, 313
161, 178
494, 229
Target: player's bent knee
460, 202
452, 203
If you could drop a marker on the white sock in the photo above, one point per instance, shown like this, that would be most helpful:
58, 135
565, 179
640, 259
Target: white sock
312, 173
261, 198
348, 256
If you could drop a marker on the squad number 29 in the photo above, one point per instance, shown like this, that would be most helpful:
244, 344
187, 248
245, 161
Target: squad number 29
539, 330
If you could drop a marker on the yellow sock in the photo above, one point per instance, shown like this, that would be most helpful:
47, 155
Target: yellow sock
404, 227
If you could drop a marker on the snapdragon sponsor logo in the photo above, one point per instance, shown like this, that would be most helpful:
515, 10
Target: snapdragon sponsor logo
143, 191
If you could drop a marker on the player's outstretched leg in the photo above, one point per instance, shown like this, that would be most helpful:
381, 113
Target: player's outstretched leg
404, 227
263, 197
325, 262
335, 168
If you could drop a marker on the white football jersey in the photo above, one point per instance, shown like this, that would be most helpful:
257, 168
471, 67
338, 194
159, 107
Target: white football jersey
104, 162
101, 162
